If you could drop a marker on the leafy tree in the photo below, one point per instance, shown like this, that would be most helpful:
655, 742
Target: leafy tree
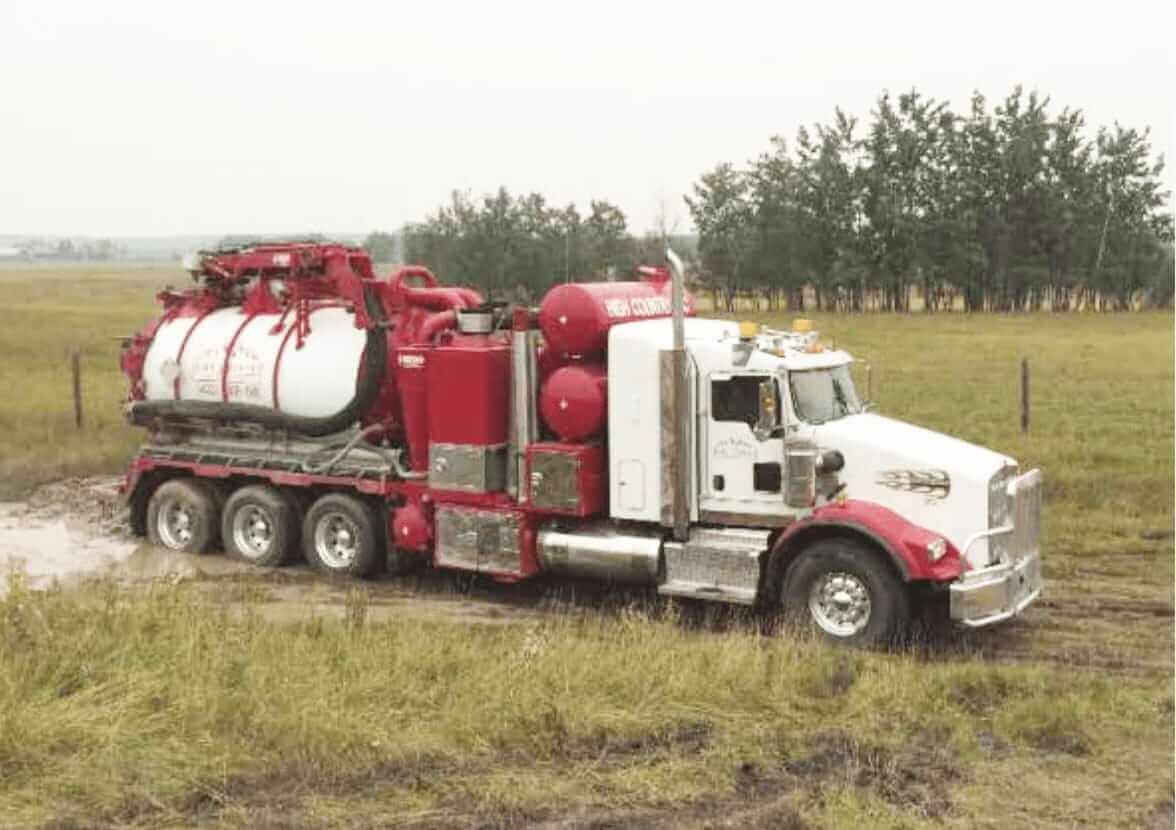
381, 246
723, 214
1009, 208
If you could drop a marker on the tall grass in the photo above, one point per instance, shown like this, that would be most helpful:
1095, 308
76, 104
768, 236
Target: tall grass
149, 707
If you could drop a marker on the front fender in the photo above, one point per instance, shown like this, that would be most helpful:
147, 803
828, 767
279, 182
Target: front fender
903, 542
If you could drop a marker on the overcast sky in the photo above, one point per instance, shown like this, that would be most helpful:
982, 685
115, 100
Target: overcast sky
144, 118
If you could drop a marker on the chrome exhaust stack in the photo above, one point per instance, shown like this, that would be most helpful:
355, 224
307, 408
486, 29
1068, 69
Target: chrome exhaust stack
524, 413
676, 433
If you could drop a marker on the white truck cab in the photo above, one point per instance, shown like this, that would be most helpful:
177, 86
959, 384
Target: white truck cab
787, 467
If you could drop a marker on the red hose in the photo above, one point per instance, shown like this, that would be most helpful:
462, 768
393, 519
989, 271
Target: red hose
437, 323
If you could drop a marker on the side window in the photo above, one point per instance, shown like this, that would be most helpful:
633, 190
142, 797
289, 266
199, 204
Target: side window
736, 399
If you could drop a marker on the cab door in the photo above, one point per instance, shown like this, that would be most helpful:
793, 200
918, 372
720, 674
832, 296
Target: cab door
742, 452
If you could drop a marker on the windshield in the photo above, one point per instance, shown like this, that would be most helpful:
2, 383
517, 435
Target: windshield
821, 395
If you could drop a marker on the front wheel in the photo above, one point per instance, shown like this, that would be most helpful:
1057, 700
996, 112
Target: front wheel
847, 593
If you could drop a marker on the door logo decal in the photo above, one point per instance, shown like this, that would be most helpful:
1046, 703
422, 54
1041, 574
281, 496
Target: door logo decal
733, 448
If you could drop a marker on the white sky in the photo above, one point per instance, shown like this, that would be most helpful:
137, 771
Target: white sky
141, 118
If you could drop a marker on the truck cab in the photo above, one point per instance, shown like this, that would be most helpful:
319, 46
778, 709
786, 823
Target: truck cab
853, 512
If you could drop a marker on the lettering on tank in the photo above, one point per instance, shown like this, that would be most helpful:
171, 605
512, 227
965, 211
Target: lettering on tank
623, 307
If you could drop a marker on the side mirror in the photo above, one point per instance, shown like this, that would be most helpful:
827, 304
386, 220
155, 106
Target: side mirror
769, 412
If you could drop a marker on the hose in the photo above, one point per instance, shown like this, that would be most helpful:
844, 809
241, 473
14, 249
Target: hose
404, 472
323, 469
375, 363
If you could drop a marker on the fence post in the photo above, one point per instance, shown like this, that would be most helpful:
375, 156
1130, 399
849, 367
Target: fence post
75, 363
1025, 395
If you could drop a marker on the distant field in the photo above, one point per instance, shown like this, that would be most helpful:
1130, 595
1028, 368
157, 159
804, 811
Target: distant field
47, 312
148, 707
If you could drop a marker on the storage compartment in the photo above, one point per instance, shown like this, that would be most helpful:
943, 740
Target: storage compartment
469, 398
494, 542
469, 391
567, 478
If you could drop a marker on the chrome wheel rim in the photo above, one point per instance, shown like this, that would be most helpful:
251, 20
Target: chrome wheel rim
176, 523
840, 603
336, 540
253, 531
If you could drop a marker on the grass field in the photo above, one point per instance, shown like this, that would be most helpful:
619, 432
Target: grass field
184, 704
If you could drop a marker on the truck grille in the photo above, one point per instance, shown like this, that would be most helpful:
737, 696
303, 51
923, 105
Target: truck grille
1025, 495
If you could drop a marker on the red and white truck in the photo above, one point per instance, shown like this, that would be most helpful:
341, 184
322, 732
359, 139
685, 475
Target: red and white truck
297, 403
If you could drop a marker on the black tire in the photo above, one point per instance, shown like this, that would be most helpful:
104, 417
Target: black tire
343, 535
259, 525
183, 515
846, 570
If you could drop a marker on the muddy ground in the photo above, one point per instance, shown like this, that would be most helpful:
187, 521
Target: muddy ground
1110, 613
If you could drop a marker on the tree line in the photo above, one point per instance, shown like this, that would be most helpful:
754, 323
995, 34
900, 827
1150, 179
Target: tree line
1012, 208
1002, 208
516, 247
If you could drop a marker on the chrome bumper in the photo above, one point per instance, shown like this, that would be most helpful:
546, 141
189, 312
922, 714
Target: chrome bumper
997, 593
1001, 591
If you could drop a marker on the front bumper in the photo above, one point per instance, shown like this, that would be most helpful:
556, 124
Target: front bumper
1005, 589
997, 593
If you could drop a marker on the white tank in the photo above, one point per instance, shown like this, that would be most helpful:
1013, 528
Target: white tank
266, 367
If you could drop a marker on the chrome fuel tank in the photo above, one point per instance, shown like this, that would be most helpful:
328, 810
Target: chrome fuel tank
602, 552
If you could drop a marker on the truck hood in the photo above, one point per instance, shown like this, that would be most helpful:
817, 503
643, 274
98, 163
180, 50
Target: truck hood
932, 479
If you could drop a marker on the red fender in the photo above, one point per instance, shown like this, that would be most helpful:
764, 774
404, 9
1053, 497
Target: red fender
904, 542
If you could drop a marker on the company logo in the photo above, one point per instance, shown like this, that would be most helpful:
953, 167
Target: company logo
282, 260
411, 361
626, 308
733, 448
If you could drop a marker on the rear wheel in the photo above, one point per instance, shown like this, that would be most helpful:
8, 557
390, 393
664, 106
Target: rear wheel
260, 526
182, 515
342, 535
845, 591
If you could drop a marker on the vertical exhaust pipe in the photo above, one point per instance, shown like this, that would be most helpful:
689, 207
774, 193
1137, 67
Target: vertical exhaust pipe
678, 461
523, 415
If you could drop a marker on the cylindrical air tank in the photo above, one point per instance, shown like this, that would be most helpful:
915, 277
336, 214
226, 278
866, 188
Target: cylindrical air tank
574, 401
575, 317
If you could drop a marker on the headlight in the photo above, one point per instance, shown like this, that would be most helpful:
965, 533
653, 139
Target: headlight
936, 548
1000, 512
999, 504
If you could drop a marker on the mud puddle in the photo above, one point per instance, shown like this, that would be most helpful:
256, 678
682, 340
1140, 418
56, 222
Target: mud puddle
75, 530
64, 530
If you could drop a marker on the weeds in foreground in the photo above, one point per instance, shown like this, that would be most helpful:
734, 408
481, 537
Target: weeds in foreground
147, 705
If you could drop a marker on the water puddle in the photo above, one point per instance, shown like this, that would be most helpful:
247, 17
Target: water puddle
49, 549
74, 530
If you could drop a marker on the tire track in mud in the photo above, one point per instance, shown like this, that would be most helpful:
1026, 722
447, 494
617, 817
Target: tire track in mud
1104, 613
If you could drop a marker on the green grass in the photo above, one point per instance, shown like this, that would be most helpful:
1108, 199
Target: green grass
180, 705
47, 313
152, 707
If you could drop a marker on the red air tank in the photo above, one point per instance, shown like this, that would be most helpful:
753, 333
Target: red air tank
574, 401
575, 318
